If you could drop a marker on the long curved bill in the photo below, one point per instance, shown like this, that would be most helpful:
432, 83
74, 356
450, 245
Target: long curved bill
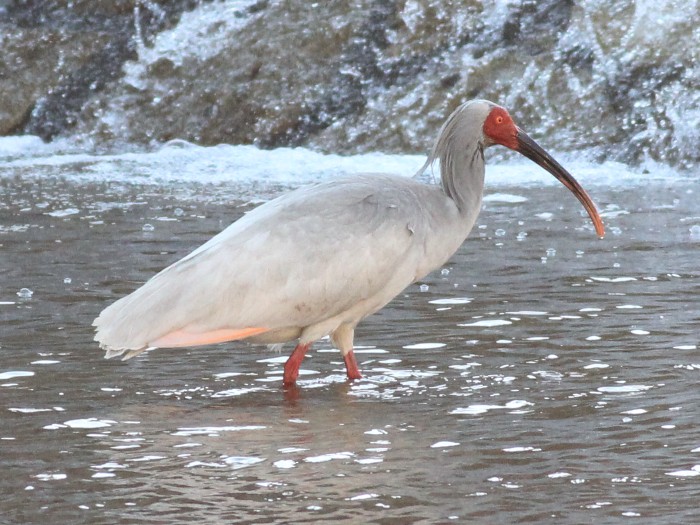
530, 149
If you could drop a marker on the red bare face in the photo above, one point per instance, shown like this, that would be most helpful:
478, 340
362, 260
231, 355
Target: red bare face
500, 128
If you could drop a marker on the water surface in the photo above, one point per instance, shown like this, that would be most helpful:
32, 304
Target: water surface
541, 375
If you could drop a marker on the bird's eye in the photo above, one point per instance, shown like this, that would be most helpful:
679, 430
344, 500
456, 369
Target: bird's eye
499, 119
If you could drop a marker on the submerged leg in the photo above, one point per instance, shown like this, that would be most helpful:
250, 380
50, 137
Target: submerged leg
343, 339
351, 366
291, 367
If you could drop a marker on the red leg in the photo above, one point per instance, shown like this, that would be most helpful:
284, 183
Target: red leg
291, 367
351, 366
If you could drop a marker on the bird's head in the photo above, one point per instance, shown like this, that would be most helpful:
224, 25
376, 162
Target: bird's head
499, 128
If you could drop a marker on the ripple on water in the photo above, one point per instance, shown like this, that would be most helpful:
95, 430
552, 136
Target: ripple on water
285, 463
51, 476
329, 457
444, 444
522, 449
235, 392
424, 346
28, 410
487, 323
452, 300
692, 472
86, 423
613, 279
475, 410
623, 389
214, 431
233, 462
15, 373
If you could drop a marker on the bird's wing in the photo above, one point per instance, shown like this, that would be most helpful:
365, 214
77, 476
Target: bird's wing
292, 262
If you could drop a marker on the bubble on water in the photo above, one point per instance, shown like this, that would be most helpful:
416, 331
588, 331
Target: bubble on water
500, 232
25, 293
424, 287
579, 253
521, 236
178, 212
444, 271
148, 227
544, 260
67, 280
551, 252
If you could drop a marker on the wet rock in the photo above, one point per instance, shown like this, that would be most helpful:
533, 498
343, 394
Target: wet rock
59, 54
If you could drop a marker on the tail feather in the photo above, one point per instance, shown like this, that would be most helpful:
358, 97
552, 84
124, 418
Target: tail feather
126, 327
170, 310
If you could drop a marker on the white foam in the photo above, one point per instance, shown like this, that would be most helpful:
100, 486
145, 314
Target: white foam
180, 161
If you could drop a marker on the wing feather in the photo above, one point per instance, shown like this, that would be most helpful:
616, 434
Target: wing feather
292, 262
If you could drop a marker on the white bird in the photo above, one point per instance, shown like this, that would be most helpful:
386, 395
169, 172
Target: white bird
318, 260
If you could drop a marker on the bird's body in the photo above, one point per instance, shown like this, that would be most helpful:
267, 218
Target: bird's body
311, 263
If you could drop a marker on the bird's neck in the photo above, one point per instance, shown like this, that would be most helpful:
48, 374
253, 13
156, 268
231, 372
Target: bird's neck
462, 173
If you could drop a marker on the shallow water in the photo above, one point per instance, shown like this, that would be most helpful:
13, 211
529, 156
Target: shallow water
542, 375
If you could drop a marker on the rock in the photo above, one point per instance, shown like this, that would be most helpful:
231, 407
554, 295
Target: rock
616, 82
